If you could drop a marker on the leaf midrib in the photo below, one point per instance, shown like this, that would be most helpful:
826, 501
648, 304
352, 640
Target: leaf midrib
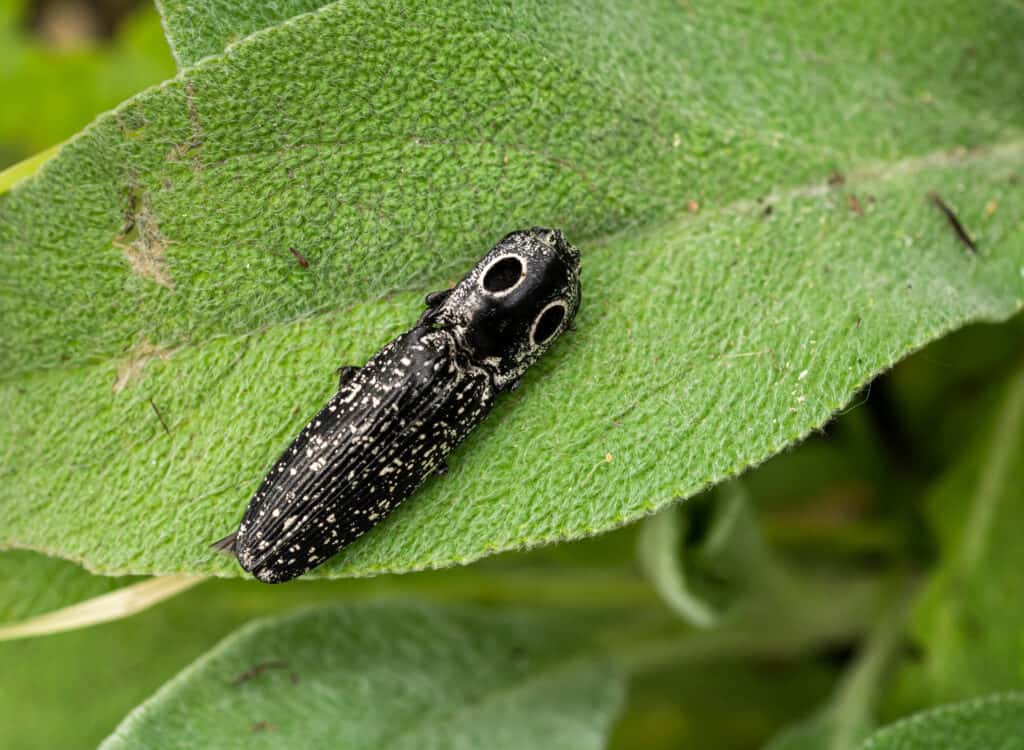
552, 670
881, 172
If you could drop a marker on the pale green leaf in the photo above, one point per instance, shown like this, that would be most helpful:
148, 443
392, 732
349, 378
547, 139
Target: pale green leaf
661, 553
32, 584
150, 284
102, 673
25, 168
114, 605
709, 562
991, 723
386, 675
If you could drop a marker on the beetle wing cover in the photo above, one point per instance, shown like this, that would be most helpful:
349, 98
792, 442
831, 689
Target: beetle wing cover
388, 428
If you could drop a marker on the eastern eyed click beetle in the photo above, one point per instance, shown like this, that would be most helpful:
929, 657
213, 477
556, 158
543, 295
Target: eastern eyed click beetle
393, 421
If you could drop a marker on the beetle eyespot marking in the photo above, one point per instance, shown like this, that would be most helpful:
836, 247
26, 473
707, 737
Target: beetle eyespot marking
548, 322
503, 275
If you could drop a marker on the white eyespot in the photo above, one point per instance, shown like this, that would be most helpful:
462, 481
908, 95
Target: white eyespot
548, 322
503, 274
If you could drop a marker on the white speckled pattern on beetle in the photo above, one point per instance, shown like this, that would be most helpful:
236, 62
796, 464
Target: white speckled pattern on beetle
394, 421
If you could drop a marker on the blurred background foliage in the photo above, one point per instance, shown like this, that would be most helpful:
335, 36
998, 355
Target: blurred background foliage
62, 62
880, 492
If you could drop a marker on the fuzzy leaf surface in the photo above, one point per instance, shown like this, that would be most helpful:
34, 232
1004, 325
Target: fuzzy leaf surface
199, 29
162, 345
988, 723
385, 675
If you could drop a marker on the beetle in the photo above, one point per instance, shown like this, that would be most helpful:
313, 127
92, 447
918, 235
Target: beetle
393, 421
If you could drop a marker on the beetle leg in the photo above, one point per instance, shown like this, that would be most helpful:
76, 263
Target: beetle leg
345, 373
436, 298
432, 301
441, 470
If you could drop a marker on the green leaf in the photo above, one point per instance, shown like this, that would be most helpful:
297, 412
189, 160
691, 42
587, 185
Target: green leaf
661, 554
990, 723
709, 562
70, 690
25, 168
968, 623
198, 29
106, 671
386, 675
32, 584
161, 345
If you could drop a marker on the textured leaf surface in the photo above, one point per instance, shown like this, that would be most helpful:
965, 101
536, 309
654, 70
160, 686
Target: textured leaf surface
99, 674
104, 672
151, 284
385, 675
969, 621
198, 29
993, 723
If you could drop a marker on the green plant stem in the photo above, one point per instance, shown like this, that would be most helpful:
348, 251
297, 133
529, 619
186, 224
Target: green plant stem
829, 619
857, 692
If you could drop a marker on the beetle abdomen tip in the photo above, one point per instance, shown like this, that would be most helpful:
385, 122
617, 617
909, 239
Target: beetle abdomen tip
226, 545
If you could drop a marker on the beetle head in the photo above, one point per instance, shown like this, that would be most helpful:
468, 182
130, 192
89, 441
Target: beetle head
514, 303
